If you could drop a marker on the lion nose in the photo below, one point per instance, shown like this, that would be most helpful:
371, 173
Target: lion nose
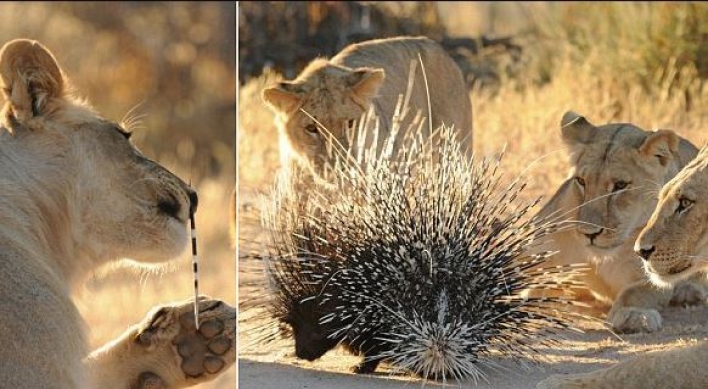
591, 236
645, 253
193, 200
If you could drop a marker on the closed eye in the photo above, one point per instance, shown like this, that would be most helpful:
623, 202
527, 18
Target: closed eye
580, 181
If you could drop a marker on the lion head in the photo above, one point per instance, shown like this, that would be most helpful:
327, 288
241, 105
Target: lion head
674, 243
616, 171
317, 109
75, 184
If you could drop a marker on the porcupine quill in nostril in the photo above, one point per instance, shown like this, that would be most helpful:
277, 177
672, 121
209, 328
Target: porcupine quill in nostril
195, 268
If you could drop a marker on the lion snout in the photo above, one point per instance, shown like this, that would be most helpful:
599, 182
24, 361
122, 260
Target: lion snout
644, 252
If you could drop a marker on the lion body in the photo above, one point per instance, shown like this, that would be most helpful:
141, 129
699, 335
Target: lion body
334, 93
75, 195
673, 244
611, 192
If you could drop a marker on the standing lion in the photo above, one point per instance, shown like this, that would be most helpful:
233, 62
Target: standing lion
325, 101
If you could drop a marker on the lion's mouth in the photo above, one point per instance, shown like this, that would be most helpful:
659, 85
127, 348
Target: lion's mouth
604, 245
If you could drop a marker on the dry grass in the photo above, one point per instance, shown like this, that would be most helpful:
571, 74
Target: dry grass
177, 62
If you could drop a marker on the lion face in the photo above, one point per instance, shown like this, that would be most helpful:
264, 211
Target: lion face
316, 111
134, 205
616, 169
674, 243
95, 195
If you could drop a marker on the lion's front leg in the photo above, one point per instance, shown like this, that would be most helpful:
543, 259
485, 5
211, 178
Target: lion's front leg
637, 306
166, 351
636, 309
680, 368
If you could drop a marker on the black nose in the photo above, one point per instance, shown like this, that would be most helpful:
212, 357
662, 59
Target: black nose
193, 200
594, 235
646, 253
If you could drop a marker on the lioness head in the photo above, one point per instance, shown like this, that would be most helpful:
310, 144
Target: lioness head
674, 243
93, 196
616, 170
314, 111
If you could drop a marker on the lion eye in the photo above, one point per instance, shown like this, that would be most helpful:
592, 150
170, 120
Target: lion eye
580, 181
683, 205
619, 185
351, 123
312, 129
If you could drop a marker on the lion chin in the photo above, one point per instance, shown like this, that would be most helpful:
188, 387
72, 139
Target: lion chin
670, 277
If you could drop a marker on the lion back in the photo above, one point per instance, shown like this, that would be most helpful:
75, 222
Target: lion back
448, 95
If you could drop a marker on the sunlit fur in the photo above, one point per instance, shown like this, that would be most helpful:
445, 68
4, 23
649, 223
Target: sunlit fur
616, 170
679, 237
75, 195
680, 243
331, 93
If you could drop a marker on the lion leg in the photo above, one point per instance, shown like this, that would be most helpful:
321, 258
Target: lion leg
166, 351
637, 306
690, 292
679, 368
636, 309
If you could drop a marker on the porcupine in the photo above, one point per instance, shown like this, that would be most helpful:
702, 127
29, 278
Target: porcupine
420, 261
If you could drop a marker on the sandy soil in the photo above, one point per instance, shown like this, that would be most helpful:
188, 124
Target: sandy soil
275, 366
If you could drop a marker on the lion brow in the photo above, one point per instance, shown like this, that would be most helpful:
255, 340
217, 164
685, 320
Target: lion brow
612, 140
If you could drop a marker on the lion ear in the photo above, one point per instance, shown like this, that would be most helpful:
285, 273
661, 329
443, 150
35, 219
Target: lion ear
283, 97
365, 83
576, 129
30, 78
662, 144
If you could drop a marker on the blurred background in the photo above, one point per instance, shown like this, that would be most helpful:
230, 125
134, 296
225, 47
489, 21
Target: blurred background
526, 63
172, 66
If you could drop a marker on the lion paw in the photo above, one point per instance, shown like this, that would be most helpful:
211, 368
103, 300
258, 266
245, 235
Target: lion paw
687, 294
630, 320
198, 354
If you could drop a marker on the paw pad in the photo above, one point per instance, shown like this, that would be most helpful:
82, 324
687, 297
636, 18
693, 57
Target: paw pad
201, 349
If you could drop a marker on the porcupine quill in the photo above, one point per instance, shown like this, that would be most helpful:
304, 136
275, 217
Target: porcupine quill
418, 260
195, 268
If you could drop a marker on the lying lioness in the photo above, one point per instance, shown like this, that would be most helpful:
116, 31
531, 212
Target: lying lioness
674, 246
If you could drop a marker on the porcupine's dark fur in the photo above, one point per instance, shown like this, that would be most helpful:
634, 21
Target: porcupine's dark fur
420, 263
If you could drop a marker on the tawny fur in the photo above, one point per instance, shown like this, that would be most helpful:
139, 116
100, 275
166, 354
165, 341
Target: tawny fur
677, 236
616, 172
75, 195
337, 91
